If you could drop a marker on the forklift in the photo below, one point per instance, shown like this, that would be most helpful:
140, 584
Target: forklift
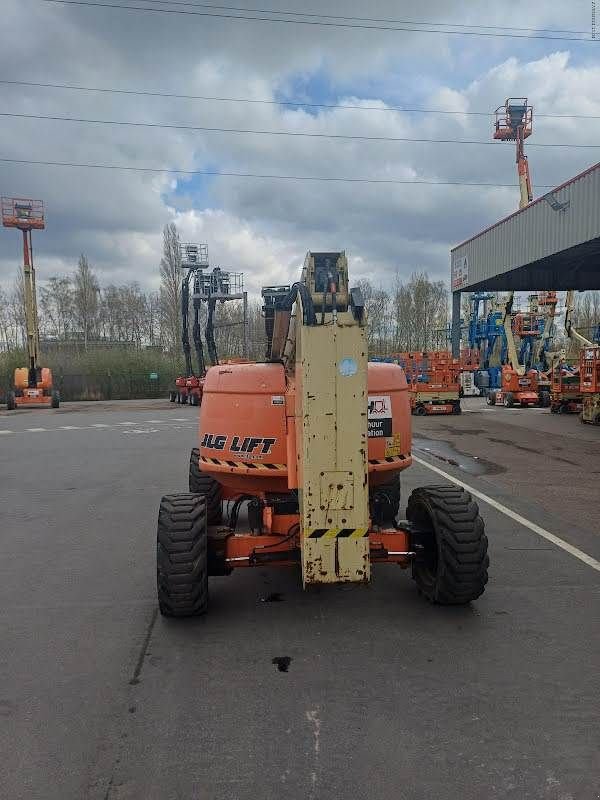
32, 384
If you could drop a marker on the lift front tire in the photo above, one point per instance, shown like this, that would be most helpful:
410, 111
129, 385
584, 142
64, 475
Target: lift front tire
55, 399
182, 556
11, 403
201, 483
420, 411
452, 566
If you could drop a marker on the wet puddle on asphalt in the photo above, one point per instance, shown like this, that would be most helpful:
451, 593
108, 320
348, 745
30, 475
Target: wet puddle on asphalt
442, 451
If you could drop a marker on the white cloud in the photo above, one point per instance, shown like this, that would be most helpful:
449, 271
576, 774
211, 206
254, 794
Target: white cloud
263, 227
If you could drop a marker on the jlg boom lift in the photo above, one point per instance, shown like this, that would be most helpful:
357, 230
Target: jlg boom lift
514, 124
33, 383
567, 395
314, 441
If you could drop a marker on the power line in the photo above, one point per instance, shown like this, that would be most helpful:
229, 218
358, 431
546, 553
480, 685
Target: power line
303, 134
214, 173
320, 23
293, 13
295, 103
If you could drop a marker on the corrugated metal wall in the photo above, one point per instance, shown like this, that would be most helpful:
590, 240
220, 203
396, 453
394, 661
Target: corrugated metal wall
532, 234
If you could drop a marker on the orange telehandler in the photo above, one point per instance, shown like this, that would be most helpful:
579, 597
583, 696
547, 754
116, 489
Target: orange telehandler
313, 441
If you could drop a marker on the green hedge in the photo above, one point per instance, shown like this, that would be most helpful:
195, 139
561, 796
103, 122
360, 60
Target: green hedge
101, 374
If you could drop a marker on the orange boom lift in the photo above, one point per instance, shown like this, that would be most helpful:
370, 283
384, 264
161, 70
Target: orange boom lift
33, 384
313, 441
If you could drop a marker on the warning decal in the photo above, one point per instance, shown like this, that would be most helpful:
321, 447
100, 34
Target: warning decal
379, 416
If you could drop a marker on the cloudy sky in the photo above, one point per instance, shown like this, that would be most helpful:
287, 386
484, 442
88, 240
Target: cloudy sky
264, 226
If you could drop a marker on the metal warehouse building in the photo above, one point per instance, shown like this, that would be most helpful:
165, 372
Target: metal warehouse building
551, 244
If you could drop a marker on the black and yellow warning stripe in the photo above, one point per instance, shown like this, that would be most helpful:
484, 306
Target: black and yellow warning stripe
248, 464
336, 533
389, 459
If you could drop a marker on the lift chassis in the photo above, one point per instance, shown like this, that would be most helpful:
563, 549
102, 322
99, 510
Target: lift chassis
312, 442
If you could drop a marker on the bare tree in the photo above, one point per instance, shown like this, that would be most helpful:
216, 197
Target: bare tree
56, 306
85, 299
170, 287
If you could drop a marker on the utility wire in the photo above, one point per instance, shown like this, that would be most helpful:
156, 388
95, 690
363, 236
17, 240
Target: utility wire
295, 103
304, 134
320, 23
214, 173
292, 13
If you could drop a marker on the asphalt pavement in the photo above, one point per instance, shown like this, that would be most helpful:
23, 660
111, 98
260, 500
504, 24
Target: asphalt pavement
384, 695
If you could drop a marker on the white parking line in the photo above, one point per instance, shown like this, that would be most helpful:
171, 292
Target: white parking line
179, 419
126, 423
67, 428
4, 433
100, 425
550, 537
35, 430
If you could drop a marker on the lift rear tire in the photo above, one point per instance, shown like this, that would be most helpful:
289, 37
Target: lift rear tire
420, 411
201, 483
456, 409
491, 399
11, 403
509, 400
182, 556
453, 566
55, 399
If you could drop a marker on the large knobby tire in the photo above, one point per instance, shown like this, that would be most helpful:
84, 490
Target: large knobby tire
55, 399
11, 403
491, 399
420, 411
201, 483
452, 568
182, 556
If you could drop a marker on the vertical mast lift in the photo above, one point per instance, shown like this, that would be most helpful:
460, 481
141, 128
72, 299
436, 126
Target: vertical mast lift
33, 383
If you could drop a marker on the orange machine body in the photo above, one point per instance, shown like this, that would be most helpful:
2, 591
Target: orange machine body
26, 395
516, 389
247, 427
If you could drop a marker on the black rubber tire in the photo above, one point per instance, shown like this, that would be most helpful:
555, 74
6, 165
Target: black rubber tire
201, 483
509, 400
11, 403
545, 400
55, 399
389, 505
454, 569
561, 409
491, 399
456, 409
420, 411
182, 556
